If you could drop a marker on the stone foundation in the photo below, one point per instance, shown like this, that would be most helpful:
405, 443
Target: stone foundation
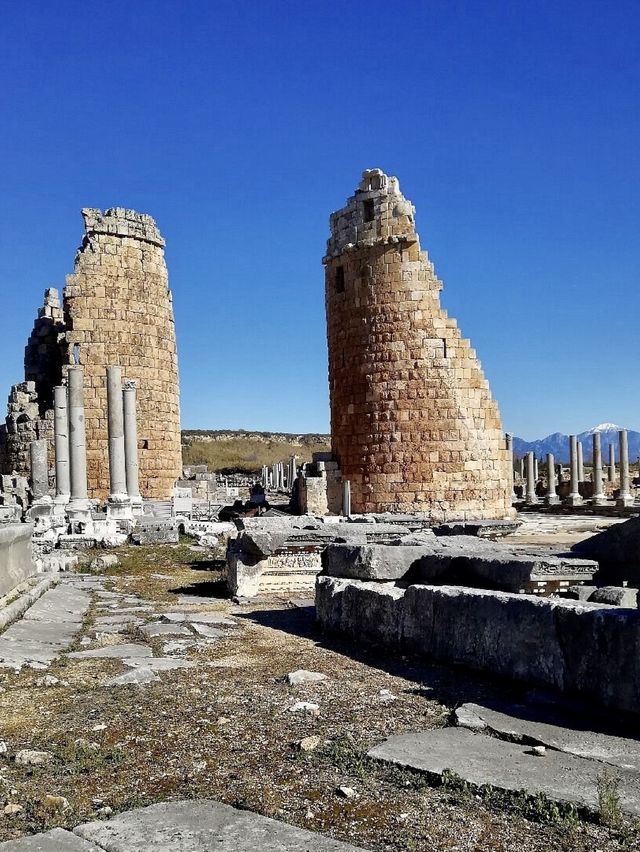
586, 649
16, 556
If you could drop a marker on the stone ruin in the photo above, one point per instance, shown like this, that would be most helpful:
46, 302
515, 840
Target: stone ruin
116, 310
413, 425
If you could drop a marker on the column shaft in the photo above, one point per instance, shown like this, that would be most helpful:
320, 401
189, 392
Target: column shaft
77, 437
624, 498
531, 480
115, 427
61, 433
131, 439
598, 493
574, 498
552, 498
39, 469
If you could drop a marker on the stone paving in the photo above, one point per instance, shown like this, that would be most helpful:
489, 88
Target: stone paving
542, 748
196, 826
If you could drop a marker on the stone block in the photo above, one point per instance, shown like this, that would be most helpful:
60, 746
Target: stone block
615, 596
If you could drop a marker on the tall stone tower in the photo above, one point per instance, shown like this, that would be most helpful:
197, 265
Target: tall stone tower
413, 424
116, 310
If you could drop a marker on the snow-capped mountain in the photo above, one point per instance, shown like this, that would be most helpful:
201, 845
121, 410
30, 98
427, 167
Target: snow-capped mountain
558, 444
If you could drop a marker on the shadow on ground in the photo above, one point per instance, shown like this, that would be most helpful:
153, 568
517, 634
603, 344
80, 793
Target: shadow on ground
453, 684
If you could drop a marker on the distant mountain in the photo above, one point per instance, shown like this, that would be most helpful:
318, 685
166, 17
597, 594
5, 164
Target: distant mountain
558, 444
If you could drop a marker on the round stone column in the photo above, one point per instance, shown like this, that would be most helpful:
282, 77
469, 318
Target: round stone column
531, 496
509, 445
552, 498
61, 441
612, 463
580, 463
39, 469
346, 498
624, 498
118, 505
598, 497
574, 498
79, 507
131, 446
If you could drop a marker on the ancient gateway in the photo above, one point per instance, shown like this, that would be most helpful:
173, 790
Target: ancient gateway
116, 311
413, 425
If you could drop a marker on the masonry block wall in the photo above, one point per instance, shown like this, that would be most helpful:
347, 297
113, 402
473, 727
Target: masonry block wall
413, 424
117, 311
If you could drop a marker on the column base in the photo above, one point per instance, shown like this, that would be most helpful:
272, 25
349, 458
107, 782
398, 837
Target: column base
531, 501
625, 500
119, 508
79, 515
552, 500
600, 500
137, 506
574, 500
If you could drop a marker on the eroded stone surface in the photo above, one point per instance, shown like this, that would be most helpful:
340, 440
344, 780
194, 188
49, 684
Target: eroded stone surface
480, 759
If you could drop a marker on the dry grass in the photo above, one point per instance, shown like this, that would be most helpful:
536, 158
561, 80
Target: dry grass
223, 731
247, 455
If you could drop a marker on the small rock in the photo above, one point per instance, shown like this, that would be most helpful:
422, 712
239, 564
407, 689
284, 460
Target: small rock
309, 743
465, 717
101, 726
12, 809
538, 751
106, 811
3, 747
47, 680
222, 720
86, 640
101, 563
305, 707
385, 696
346, 792
30, 757
303, 676
56, 803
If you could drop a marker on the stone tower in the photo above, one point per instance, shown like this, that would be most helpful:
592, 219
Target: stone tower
413, 424
116, 311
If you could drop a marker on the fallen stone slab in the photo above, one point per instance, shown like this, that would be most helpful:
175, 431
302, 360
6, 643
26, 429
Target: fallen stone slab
56, 840
141, 675
461, 559
207, 631
120, 618
483, 529
198, 618
101, 563
128, 650
31, 594
63, 603
151, 630
615, 596
480, 759
543, 726
201, 826
158, 664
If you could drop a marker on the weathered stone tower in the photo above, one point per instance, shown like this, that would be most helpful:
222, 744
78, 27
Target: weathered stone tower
413, 424
116, 311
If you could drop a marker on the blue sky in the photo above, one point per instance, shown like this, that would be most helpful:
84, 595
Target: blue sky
512, 126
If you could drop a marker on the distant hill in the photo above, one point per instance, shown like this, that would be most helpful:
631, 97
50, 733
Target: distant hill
558, 444
227, 450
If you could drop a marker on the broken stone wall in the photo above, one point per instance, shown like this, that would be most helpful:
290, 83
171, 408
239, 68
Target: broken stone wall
118, 311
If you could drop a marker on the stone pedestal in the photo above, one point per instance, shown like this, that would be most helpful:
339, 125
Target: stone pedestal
61, 440
129, 410
530, 497
118, 504
79, 506
625, 497
574, 498
552, 498
598, 498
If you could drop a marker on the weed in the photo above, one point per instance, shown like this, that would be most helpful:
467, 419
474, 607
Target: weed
608, 784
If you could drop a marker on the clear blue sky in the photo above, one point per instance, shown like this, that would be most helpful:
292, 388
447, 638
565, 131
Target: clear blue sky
513, 127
